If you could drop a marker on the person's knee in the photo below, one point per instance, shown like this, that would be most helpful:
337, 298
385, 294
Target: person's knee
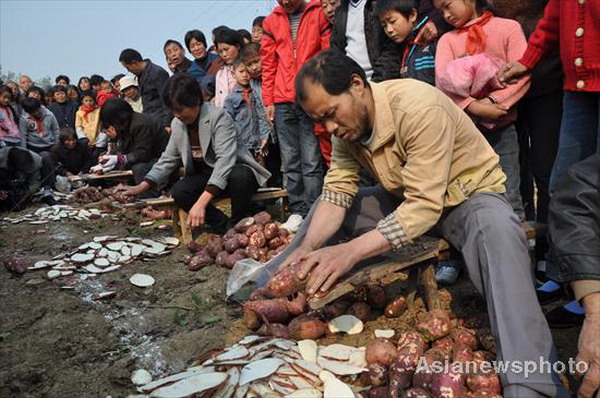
178, 192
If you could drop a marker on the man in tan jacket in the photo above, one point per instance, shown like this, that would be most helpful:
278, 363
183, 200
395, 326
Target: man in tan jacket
435, 172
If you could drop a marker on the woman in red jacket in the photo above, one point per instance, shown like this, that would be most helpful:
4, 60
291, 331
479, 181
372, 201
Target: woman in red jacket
574, 26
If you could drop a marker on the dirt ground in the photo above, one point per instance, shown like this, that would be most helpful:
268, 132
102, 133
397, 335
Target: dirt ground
62, 343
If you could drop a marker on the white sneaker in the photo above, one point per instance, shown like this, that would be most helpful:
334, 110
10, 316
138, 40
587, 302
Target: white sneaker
293, 223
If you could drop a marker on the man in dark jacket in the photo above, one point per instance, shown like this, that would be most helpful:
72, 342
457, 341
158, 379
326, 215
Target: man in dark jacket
574, 222
151, 80
63, 108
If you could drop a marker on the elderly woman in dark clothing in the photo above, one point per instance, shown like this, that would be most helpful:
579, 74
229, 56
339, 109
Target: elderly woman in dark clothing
203, 140
138, 139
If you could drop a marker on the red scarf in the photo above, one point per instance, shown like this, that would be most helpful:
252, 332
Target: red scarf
476, 37
246, 92
87, 109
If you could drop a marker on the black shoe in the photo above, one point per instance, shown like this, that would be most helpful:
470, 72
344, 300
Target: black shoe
561, 318
550, 295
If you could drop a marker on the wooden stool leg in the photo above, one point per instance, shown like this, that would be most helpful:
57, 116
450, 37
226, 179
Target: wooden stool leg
175, 222
412, 285
430, 285
186, 230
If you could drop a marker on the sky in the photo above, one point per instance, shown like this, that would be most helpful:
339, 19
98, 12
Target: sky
83, 37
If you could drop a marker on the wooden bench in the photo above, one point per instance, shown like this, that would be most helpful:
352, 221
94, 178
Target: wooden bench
182, 230
119, 174
419, 259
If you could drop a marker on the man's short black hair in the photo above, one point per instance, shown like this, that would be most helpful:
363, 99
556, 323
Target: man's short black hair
116, 112
258, 21
171, 41
182, 89
194, 34
62, 77
67, 133
30, 105
59, 87
250, 51
404, 7
331, 69
116, 78
229, 36
39, 90
95, 80
129, 56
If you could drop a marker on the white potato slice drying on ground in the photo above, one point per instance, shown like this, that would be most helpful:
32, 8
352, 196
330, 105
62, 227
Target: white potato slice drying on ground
338, 352
82, 257
232, 354
141, 280
340, 368
308, 350
334, 387
141, 377
305, 393
191, 385
385, 333
259, 370
346, 324
170, 379
228, 389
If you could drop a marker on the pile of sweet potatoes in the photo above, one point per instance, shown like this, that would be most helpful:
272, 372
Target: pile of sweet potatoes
258, 238
88, 195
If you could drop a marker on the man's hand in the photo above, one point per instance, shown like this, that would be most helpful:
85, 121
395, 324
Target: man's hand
264, 148
427, 34
270, 110
135, 190
196, 215
485, 109
97, 169
108, 162
328, 265
511, 72
297, 256
589, 346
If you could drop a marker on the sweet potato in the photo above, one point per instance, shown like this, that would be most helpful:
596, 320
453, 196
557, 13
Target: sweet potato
242, 240
274, 310
251, 319
285, 282
489, 382
271, 230
335, 309
376, 297
233, 258
359, 293
404, 366
229, 234
381, 351
257, 239
200, 261
252, 229
252, 252
232, 244
214, 246
378, 392
275, 330
378, 374
486, 338
415, 392
243, 224
436, 355
297, 305
262, 218
306, 327
462, 353
483, 394
445, 344
481, 356
434, 324
283, 233
396, 308
195, 247
259, 294
275, 243
464, 336
271, 255
360, 310
221, 258
411, 337
477, 321
447, 384
17, 265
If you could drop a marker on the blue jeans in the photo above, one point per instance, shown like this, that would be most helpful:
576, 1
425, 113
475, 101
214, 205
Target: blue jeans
579, 132
506, 144
300, 155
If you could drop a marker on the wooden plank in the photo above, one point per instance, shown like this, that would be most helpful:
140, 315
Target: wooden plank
368, 274
430, 285
186, 230
106, 176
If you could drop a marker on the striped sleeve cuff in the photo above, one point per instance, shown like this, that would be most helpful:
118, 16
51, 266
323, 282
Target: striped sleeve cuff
393, 231
337, 198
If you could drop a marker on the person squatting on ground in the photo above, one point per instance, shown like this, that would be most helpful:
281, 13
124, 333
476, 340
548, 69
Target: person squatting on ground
436, 172
204, 140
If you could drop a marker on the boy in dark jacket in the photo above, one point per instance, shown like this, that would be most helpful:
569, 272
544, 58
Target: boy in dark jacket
402, 25
72, 155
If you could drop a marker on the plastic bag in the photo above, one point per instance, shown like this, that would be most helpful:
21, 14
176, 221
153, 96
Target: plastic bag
244, 271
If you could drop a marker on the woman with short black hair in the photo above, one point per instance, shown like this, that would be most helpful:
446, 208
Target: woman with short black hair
139, 139
203, 139
209, 63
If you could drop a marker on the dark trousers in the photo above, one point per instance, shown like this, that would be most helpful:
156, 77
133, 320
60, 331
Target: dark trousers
139, 171
538, 127
48, 166
242, 185
273, 164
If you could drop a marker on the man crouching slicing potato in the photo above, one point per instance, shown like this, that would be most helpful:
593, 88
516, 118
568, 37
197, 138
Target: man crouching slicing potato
435, 171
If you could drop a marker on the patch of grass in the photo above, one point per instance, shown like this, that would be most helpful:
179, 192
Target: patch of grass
199, 307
